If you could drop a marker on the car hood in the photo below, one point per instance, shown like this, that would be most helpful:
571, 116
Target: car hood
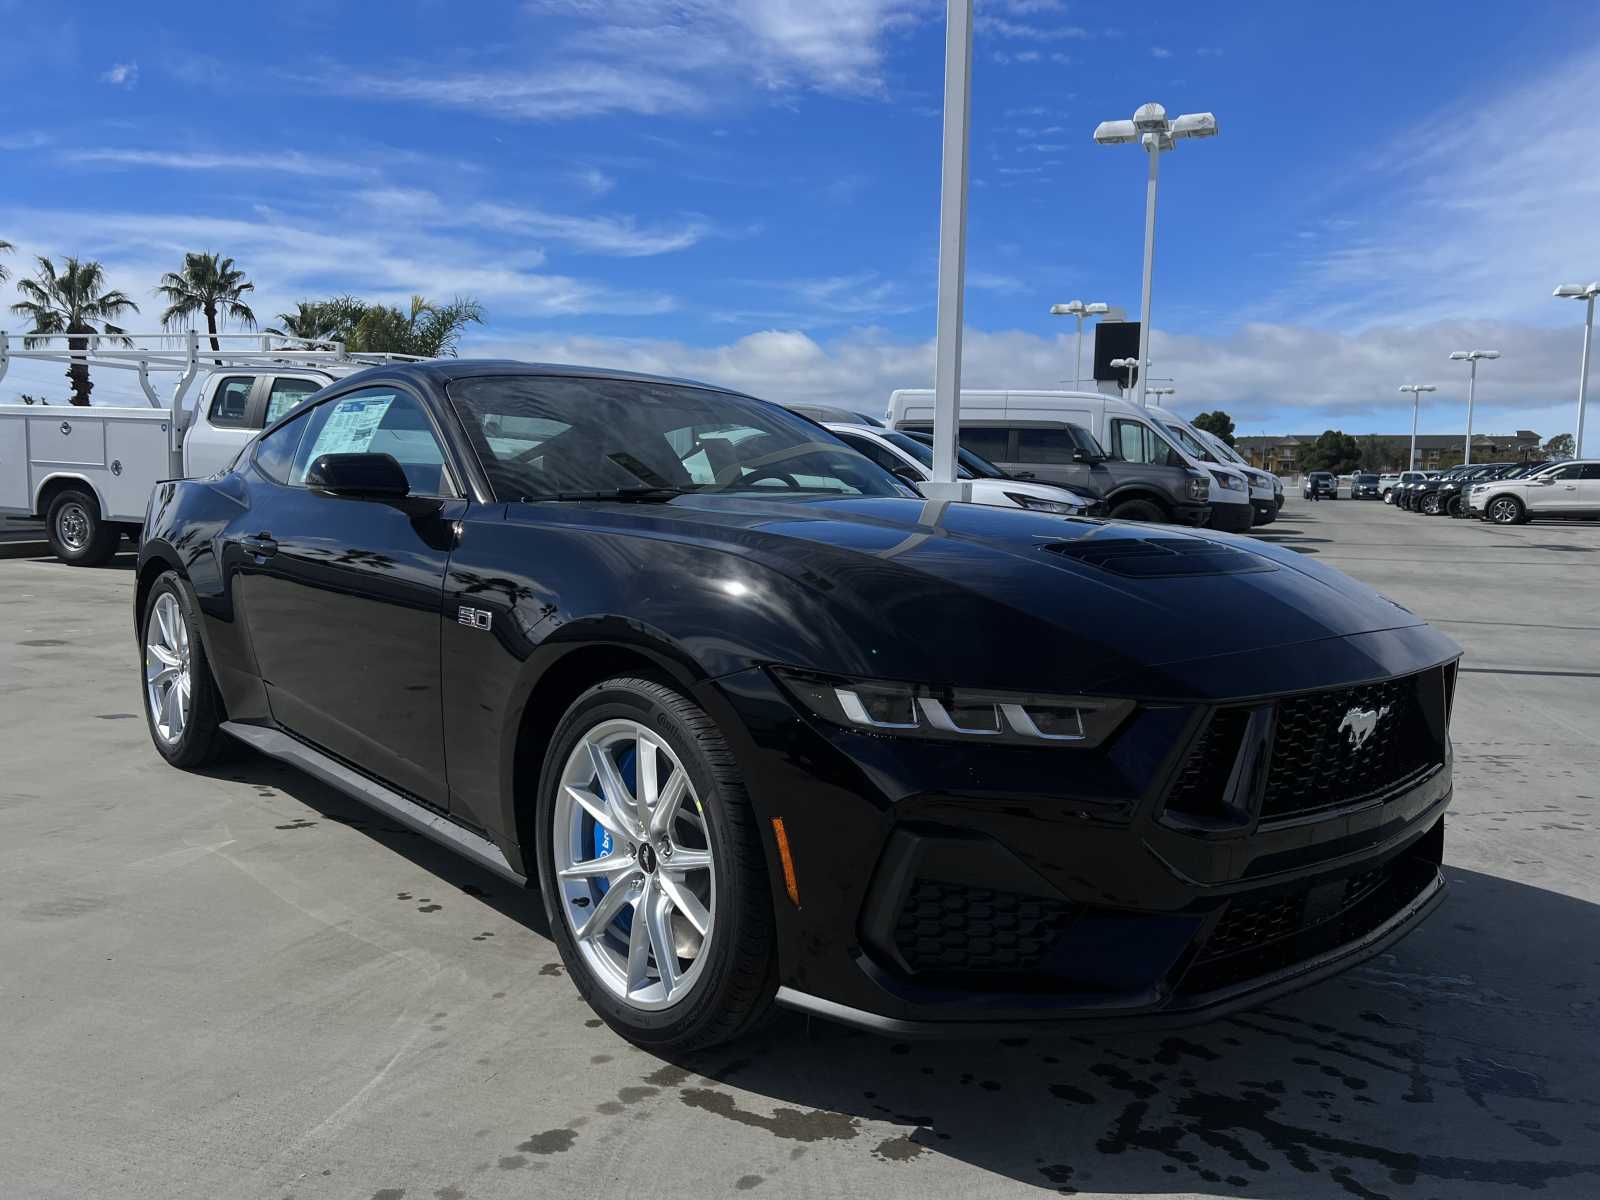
1009, 598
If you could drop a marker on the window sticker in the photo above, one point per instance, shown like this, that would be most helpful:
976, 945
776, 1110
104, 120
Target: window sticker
350, 426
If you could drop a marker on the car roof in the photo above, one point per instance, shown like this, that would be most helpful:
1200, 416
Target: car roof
441, 371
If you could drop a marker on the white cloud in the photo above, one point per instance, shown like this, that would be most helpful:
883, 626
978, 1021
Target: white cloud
617, 236
650, 57
594, 180
124, 75
288, 162
1160, 52
1000, 27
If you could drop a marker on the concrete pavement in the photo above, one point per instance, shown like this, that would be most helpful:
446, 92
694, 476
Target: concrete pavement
240, 984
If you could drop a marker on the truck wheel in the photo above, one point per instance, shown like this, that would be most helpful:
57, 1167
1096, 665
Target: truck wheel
76, 531
1137, 510
181, 702
652, 869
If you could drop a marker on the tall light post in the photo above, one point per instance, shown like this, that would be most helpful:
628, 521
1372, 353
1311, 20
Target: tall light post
1581, 291
1130, 365
1156, 134
1416, 390
1159, 392
952, 251
1471, 357
1077, 308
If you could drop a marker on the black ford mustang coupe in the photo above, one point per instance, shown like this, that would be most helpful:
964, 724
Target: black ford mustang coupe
763, 725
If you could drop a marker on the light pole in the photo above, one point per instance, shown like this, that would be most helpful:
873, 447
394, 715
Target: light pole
1416, 390
1471, 357
1152, 130
1130, 365
1159, 392
1077, 308
1581, 291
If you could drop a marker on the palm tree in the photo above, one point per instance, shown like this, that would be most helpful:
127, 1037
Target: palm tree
322, 320
428, 329
71, 301
5, 274
207, 284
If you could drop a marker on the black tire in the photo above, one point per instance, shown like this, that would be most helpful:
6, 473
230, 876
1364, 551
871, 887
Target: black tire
1505, 510
201, 741
1430, 505
735, 989
1388, 495
1457, 506
1138, 510
78, 535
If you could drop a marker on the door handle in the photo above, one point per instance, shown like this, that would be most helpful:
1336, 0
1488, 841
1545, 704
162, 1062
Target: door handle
260, 544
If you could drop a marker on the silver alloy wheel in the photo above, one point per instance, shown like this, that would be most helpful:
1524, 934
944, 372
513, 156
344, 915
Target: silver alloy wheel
73, 525
1503, 511
166, 667
637, 876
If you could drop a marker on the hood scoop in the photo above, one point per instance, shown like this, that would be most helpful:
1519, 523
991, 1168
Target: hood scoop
1160, 557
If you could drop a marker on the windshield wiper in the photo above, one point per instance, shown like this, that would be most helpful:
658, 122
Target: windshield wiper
638, 495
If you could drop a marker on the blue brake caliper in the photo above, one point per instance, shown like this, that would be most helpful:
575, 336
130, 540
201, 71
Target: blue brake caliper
603, 844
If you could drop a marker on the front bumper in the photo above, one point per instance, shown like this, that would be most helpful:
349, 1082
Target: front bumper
1232, 518
1198, 515
944, 889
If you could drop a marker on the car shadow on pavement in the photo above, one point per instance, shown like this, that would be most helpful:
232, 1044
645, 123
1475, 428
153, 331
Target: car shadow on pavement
1462, 1062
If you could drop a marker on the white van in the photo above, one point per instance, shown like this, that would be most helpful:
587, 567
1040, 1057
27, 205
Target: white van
1141, 471
1266, 489
1193, 442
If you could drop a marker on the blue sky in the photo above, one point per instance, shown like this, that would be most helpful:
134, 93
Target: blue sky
746, 191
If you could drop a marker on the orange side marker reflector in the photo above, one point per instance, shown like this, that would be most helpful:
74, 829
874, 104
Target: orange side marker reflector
789, 884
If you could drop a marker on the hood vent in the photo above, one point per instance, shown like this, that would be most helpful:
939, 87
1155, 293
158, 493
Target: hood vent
1160, 557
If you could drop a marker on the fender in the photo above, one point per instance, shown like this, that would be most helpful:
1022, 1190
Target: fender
55, 477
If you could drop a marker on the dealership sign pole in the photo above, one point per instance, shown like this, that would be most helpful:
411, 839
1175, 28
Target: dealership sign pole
1471, 357
952, 252
1581, 291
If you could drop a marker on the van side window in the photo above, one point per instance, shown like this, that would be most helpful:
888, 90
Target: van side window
992, 442
230, 403
1045, 446
1134, 442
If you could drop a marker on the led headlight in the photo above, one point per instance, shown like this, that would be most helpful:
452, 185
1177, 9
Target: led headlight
1230, 483
1040, 504
957, 714
1199, 488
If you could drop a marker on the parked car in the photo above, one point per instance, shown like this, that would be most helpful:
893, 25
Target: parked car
1386, 484
824, 414
1364, 486
1406, 494
1266, 489
907, 456
1403, 480
1081, 440
1320, 483
1426, 497
1561, 490
760, 733
1452, 492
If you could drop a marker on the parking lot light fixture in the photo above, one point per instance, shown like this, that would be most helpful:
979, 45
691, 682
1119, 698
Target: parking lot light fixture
1470, 357
1416, 390
1077, 308
1151, 129
1586, 292
1129, 365
1159, 392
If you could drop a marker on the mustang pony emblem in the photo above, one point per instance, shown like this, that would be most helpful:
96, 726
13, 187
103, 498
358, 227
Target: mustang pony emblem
1360, 723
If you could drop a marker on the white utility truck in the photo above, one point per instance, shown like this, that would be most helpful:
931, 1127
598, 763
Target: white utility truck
87, 472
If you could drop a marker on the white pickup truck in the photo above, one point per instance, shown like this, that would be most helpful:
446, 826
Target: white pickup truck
87, 472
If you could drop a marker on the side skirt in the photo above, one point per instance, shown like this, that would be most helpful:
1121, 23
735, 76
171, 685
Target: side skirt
279, 745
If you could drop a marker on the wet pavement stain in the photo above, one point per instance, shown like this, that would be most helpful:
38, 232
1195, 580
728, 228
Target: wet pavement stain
297, 823
815, 1125
899, 1149
745, 1182
551, 970
551, 1141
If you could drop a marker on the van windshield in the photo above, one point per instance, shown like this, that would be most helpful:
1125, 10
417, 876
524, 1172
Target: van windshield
1187, 440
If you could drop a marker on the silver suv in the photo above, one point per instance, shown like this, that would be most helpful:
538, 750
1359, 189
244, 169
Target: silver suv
1568, 489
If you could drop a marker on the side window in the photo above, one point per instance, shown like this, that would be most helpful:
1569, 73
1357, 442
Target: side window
376, 421
991, 443
230, 403
1571, 471
1133, 442
286, 393
275, 452
1045, 446
1591, 470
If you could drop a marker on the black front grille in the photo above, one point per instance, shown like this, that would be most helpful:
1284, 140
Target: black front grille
946, 926
1338, 747
1199, 790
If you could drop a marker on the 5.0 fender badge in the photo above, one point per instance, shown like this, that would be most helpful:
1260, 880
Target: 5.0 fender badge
475, 618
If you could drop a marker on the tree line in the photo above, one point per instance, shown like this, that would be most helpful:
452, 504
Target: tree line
73, 299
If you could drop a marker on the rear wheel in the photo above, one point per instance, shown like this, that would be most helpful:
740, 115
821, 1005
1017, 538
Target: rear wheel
1506, 510
76, 531
181, 702
653, 873
1137, 510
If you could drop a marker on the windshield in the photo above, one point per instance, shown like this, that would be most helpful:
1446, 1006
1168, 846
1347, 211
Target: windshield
1195, 447
1227, 451
544, 437
923, 453
1366, 478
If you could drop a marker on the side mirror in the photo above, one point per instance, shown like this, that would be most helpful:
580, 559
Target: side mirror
908, 475
1083, 456
366, 476
1542, 480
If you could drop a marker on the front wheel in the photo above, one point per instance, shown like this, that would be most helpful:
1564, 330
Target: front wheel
652, 869
77, 533
1458, 505
1430, 505
1506, 510
1137, 510
1388, 496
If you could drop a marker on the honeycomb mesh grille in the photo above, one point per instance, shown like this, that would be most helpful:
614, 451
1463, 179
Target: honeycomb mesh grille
1198, 790
1316, 762
946, 927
